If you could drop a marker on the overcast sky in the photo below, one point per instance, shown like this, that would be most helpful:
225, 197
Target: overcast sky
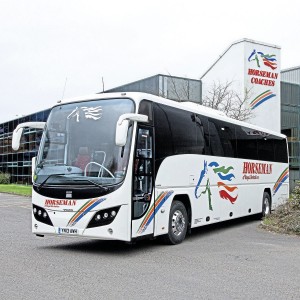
44, 42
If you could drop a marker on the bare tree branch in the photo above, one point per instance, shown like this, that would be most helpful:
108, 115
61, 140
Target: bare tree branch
222, 97
180, 88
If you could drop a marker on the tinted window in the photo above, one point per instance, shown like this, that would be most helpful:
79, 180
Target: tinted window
246, 143
265, 148
226, 132
202, 132
146, 109
200, 142
163, 135
176, 132
183, 130
215, 144
280, 150
179, 128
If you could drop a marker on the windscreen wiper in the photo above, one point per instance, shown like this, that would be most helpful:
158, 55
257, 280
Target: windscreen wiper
51, 175
105, 189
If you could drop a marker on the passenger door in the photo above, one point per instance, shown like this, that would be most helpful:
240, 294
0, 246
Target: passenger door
142, 186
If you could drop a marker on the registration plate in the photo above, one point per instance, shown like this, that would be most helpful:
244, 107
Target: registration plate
71, 231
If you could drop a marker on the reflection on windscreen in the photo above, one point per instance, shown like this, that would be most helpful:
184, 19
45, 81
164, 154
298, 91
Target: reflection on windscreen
79, 142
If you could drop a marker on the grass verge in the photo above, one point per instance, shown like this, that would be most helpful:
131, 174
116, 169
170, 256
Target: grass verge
286, 217
16, 189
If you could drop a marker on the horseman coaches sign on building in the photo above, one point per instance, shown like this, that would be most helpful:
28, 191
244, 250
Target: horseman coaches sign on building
262, 77
253, 67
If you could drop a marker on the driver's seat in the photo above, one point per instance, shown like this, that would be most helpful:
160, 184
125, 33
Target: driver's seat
83, 158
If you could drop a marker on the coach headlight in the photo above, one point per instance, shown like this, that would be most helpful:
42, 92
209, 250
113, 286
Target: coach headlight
41, 215
103, 217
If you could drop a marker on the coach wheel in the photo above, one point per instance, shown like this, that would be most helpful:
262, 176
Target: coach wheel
178, 223
266, 206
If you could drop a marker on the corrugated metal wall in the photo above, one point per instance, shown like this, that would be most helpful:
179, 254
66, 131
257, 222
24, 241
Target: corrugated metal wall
290, 118
290, 93
182, 89
149, 85
291, 75
174, 88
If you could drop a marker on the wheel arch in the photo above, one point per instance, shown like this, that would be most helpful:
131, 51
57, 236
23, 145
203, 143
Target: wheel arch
268, 190
185, 199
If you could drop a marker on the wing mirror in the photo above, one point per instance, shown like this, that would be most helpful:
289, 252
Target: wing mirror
17, 133
122, 126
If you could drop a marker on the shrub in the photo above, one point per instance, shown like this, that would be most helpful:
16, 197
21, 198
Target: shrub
4, 178
286, 217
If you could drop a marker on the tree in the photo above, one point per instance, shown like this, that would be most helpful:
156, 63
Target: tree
224, 98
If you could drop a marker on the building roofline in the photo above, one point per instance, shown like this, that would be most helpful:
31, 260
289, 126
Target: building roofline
24, 116
290, 69
159, 74
237, 42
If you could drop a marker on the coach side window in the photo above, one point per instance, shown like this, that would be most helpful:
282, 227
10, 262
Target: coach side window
226, 133
202, 134
146, 109
280, 150
265, 148
228, 140
199, 135
216, 147
183, 130
246, 140
163, 135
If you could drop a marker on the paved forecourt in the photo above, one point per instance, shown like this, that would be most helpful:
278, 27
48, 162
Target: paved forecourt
231, 260
9, 200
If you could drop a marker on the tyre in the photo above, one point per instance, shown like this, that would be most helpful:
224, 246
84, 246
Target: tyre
266, 205
178, 223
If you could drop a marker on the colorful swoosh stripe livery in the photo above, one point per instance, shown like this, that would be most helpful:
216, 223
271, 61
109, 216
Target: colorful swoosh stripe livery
228, 188
159, 201
266, 95
225, 174
227, 192
222, 172
282, 178
84, 209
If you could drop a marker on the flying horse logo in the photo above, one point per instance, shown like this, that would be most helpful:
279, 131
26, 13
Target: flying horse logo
268, 59
94, 113
227, 192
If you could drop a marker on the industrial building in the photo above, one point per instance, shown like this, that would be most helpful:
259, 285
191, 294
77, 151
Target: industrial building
290, 118
171, 87
18, 164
